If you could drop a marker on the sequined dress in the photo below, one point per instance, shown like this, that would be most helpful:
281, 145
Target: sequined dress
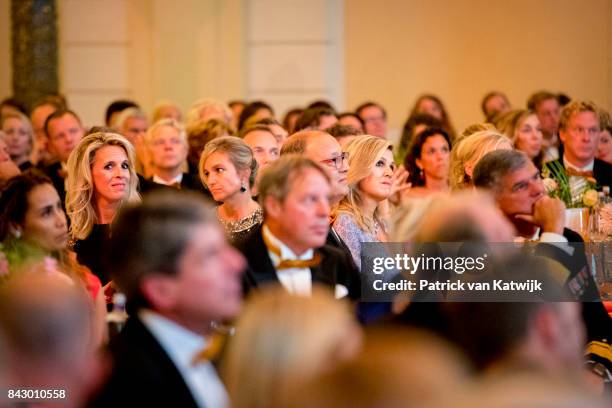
239, 230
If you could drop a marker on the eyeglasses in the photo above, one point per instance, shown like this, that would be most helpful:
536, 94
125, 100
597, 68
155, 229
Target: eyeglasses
337, 161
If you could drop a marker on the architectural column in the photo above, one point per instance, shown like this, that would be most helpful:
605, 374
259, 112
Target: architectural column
34, 49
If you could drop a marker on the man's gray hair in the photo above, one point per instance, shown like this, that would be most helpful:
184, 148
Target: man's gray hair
497, 164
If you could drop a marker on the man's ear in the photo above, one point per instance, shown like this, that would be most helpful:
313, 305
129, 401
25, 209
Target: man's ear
273, 207
160, 291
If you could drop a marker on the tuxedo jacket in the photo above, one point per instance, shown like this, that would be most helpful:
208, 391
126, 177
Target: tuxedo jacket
580, 282
143, 374
602, 172
333, 270
188, 182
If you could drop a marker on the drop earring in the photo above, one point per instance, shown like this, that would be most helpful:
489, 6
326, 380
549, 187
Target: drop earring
243, 188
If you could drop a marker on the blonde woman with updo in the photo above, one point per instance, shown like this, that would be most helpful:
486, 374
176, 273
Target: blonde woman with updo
358, 217
467, 152
101, 178
228, 169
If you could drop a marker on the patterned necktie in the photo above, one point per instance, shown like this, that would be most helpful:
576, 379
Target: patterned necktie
291, 263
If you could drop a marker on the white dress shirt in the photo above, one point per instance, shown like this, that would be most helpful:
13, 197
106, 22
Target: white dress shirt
553, 238
577, 183
297, 281
159, 180
182, 345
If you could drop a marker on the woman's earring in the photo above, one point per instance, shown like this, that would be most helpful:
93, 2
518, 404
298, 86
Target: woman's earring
17, 233
243, 188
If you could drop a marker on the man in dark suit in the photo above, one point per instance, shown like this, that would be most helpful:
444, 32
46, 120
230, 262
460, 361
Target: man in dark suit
64, 132
180, 275
290, 247
579, 131
324, 149
519, 193
166, 144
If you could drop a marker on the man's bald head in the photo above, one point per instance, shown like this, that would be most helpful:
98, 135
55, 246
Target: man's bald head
324, 149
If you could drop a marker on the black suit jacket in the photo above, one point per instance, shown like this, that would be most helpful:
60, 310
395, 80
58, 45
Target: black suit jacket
143, 375
580, 282
188, 182
334, 268
54, 172
602, 172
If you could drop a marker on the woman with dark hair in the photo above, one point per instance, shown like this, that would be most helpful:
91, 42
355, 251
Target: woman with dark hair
413, 126
257, 110
34, 232
428, 162
432, 105
290, 119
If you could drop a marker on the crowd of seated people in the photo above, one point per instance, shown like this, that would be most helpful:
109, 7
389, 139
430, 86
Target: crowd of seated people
243, 245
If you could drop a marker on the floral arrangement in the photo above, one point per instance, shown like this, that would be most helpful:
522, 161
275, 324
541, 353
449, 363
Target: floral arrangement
557, 184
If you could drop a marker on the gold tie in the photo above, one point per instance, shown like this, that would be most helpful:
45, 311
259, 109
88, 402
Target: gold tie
573, 172
291, 263
212, 349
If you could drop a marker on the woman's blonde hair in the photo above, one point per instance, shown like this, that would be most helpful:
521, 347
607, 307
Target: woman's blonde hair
509, 122
468, 151
150, 133
79, 182
282, 341
24, 119
364, 151
238, 152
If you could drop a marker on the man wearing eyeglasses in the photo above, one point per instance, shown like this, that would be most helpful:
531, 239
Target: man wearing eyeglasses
322, 148
374, 119
579, 130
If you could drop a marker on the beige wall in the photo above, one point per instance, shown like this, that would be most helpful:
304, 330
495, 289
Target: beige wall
459, 50
393, 50
148, 50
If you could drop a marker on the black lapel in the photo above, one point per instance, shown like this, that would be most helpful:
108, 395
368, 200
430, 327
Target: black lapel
261, 268
325, 272
138, 351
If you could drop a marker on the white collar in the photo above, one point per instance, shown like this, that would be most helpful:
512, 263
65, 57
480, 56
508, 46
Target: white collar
159, 180
179, 342
182, 346
286, 252
588, 167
